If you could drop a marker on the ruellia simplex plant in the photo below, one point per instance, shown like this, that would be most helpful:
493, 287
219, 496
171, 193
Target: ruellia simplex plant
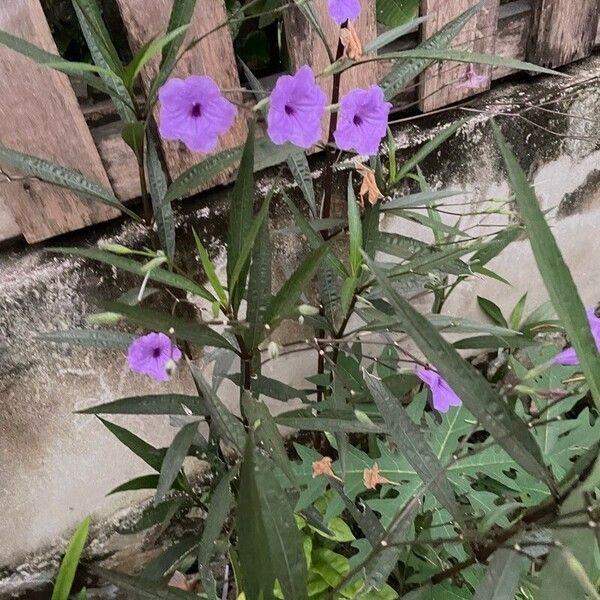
421, 479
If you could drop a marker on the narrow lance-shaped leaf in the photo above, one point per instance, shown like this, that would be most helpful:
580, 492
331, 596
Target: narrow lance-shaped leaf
240, 218
509, 431
161, 404
201, 173
554, 271
269, 543
68, 565
131, 266
181, 15
414, 447
174, 458
354, 231
91, 338
209, 270
502, 576
288, 295
63, 177
300, 169
225, 424
163, 211
395, 81
190, 331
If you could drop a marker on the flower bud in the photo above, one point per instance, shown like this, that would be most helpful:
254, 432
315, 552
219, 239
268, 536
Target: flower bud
274, 349
307, 310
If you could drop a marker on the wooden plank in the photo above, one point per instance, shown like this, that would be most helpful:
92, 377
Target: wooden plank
441, 84
306, 47
563, 31
213, 56
514, 25
39, 115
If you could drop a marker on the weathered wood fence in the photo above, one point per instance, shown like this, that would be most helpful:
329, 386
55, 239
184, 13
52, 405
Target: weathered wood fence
40, 113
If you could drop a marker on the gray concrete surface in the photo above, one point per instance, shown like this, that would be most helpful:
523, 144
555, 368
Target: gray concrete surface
57, 466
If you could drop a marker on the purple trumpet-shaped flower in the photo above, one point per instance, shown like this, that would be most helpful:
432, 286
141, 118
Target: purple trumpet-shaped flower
568, 357
194, 111
153, 354
344, 10
296, 109
442, 394
362, 120
472, 80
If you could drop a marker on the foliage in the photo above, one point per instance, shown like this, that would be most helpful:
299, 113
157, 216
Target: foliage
388, 498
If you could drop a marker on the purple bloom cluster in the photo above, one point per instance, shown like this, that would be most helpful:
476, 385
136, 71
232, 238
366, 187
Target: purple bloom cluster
194, 111
153, 354
568, 356
443, 395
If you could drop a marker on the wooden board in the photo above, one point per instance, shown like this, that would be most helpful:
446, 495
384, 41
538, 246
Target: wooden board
39, 115
306, 47
440, 84
563, 31
213, 56
514, 25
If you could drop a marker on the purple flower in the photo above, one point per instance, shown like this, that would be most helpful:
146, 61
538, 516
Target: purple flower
362, 120
473, 81
153, 355
344, 10
296, 109
568, 357
443, 395
194, 111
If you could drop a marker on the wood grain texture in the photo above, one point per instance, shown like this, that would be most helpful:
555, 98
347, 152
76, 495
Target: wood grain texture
213, 56
39, 115
306, 47
440, 84
514, 25
563, 31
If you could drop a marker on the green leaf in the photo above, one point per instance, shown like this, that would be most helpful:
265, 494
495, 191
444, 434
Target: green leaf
240, 270
160, 404
190, 331
506, 428
265, 429
555, 273
90, 12
68, 565
176, 557
181, 15
399, 77
133, 135
220, 507
226, 425
287, 297
395, 13
492, 341
269, 543
502, 576
132, 266
148, 51
259, 287
149, 454
144, 482
496, 245
492, 310
162, 210
89, 338
174, 457
517, 312
83, 71
418, 200
425, 150
240, 219
63, 177
466, 57
354, 231
209, 270
314, 239
300, 169
201, 173
120, 96
142, 588
406, 435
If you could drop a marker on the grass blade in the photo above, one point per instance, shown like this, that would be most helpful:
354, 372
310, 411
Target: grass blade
68, 565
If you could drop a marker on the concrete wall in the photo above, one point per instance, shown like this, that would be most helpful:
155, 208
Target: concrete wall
57, 466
